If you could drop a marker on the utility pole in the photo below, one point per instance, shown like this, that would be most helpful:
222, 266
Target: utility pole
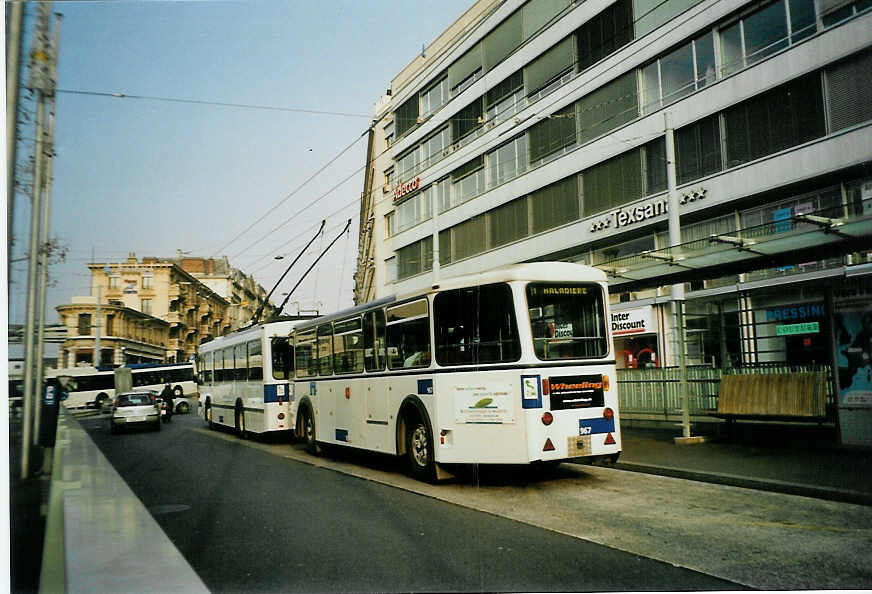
40, 82
677, 290
13, 78
45, 252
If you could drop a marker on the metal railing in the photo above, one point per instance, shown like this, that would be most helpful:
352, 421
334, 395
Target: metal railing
657, 391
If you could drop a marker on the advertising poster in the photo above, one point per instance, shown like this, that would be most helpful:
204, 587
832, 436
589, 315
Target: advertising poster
484, 404
854, 351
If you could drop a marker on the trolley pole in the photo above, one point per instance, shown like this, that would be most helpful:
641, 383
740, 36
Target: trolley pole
677, 290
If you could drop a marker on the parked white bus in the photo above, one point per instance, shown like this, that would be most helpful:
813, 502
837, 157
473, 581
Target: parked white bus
511, 366
91, 386
245, 379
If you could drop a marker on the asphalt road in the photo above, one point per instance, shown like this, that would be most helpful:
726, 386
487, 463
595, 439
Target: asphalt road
249, 520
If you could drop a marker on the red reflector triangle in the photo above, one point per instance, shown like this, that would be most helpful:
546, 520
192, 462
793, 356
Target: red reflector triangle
549, 447
610, 440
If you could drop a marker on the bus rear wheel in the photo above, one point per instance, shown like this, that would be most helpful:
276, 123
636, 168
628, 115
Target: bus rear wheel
419, 450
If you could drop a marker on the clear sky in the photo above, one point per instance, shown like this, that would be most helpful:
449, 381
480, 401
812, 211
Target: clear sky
154, 177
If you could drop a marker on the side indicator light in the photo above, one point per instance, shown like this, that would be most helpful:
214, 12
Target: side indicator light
547, 418
347, 393
281, 416
608, 414
606, 383
549, 447
546, 386
609, 439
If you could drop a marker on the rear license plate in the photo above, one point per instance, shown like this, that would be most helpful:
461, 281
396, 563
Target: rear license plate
578, 446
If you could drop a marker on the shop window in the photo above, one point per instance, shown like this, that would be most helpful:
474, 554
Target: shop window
698, 149
849, 91
605, 33
783, 117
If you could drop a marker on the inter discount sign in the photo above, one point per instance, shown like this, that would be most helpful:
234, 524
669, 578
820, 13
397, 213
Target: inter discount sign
632, 321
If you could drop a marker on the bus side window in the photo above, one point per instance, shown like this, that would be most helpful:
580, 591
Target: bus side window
229, 367
219, 366
347, 345
408, 333
325, 349
207, 368
374, 340
241, 355
304, 357
255, 361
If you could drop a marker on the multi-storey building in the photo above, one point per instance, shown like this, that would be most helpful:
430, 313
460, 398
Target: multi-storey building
143, 311
565, 130
243, 294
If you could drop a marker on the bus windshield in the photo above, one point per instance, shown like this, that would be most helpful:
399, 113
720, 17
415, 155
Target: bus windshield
567, 320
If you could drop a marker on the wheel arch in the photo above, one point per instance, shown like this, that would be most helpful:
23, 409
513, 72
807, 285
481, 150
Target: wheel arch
410, 408
305, 404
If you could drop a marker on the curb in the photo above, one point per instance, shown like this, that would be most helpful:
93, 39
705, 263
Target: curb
775, 486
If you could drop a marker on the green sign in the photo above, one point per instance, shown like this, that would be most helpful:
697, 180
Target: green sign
806, 328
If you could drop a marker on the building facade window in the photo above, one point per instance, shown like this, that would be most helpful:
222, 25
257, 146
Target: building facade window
147, 281
146, 306
764, 32
605, 33
114, 282
435, 97
406, 116
468, 181
110, 324
84, 324
788, 115
505, 99
698, 149
466, 121
415, 258
679, 73
436, 147
410, 212
507, 161
552, 136
849, 91
408, 164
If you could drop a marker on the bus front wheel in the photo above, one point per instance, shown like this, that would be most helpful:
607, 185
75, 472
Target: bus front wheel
308, 422
240, 423
419, 449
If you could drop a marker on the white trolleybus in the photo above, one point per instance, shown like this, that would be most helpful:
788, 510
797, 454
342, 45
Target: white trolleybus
90, 386
246, 379
511, 366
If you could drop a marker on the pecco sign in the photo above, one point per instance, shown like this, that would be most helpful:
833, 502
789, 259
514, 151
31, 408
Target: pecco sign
409, 186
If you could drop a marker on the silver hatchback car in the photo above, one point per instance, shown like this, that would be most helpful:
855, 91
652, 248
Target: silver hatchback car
132, 409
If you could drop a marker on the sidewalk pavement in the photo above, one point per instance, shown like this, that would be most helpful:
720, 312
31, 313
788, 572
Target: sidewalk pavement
797, 460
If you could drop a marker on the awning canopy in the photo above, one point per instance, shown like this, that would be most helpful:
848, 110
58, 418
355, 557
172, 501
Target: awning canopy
774, 243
